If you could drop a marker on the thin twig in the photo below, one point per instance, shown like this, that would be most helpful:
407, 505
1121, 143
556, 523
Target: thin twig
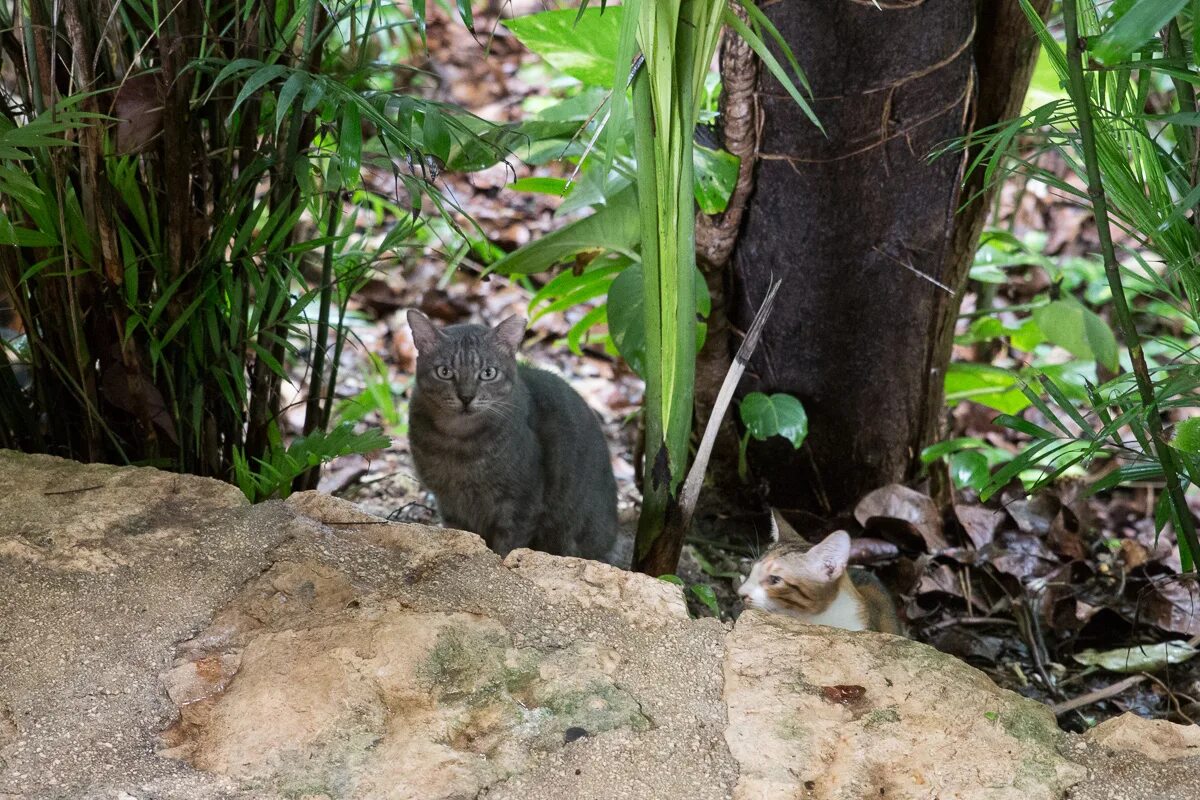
1096, 696
1112, 690
1184, 523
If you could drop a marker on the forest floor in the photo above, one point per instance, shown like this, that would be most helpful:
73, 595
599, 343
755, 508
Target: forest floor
1024, 588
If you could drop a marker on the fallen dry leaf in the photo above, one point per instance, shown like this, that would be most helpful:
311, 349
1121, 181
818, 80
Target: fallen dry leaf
900, 502
979, 522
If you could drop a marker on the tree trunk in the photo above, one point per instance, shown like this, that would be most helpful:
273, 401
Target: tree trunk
866, 231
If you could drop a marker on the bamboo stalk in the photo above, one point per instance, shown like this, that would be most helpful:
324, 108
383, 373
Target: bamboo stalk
1181, 516
312, 412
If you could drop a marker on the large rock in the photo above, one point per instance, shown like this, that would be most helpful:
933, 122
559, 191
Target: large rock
159, 638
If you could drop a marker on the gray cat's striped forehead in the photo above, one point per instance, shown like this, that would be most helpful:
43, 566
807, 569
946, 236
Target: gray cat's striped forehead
468, 345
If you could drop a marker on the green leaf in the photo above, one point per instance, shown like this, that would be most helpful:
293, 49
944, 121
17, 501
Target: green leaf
350, 146
1187, 435
287, 95
936, 451
1140, 23
774, 415
969, 468
987, 385
1079, 330
464, 13
435, 135
585, 50
553, 186
675, 579
772, 64
708, 597
1027, 336
614, 227
626, 321
256, 81
716, 175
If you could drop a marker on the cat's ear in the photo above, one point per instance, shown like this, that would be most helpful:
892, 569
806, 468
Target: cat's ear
830, 556
509, 333
781, 530
424, 335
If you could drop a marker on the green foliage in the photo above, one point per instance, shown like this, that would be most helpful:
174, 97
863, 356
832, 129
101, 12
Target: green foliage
273, 476
652, 303
175, 240
1141, 168
1133, 24
378, 397
1079, 330
765, 416
701, 591
582, 44
774, 415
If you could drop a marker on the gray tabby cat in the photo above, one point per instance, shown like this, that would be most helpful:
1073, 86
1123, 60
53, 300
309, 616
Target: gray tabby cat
512, 452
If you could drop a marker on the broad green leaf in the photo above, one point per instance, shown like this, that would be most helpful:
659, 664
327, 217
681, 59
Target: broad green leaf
716, 174
614, 228
1140, 23
969, 468
1139, 658
1079, 330
990, 386
936, 451
626, 321
774, 415
675, 579
626, 316
1027, 336
585, 50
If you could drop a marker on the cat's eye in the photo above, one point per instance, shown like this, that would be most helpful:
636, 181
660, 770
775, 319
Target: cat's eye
444, 372
489, 374
774, 580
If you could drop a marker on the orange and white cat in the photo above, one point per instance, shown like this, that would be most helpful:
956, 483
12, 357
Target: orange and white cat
813, 582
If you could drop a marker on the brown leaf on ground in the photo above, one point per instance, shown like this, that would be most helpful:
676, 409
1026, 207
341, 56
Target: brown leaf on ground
1173, 604
901, 534
1064, 538
868, 550
979, 522
1021, 555
1034, 514
1133, 553
900, 502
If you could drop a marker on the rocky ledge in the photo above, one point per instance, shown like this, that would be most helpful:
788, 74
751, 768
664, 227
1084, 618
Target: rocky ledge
160, 638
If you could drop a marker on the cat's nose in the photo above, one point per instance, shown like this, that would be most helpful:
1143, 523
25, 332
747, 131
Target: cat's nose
466, 398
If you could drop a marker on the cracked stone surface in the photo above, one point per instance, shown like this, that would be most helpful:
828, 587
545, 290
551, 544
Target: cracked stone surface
159, 638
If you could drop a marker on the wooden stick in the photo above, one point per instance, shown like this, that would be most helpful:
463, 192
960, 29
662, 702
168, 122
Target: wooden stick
695, 477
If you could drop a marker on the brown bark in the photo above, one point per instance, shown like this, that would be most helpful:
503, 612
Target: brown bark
715, 240
866, 231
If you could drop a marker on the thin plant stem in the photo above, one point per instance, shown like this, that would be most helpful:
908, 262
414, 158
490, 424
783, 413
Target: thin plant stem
1181, 516
312, 411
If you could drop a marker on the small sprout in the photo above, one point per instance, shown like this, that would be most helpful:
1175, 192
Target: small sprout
991, 716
